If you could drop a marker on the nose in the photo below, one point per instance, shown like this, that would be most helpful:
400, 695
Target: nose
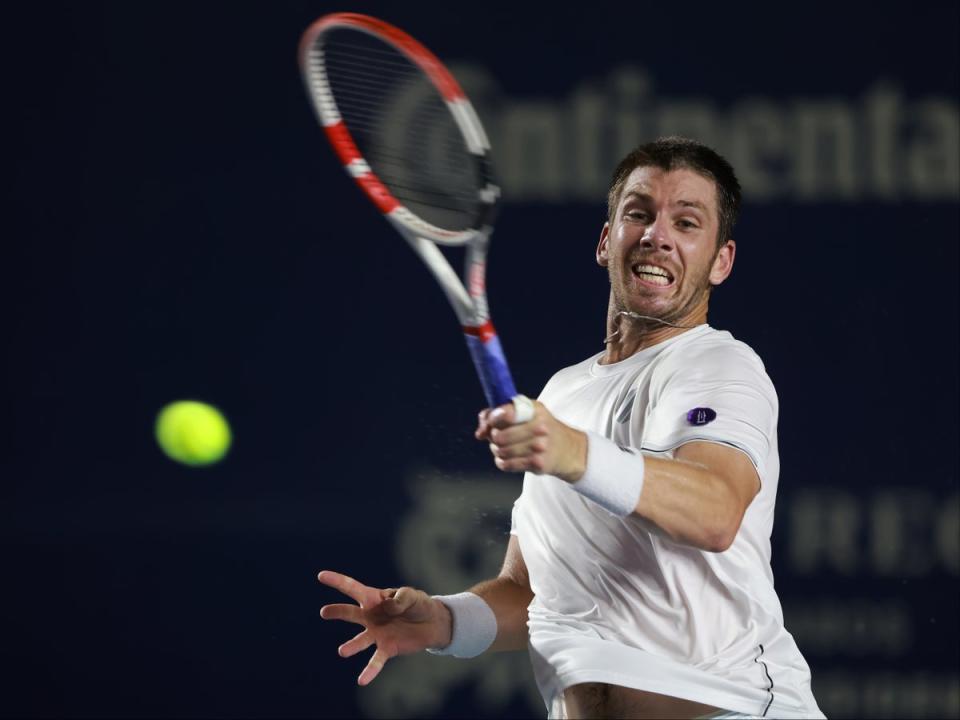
657, 236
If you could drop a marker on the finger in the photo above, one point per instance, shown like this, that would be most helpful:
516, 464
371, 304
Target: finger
400, 602
373, 667
356, 644
350, 613
520, 449
502, 416
525, 409
517, 433
532, 463
483, 425
345, 584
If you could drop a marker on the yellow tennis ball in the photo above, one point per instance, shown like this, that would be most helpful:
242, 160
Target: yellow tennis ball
193, 432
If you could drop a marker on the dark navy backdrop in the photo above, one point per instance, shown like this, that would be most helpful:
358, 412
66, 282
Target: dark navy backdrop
177, 228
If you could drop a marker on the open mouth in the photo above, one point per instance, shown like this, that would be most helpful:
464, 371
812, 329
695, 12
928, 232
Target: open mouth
652, 274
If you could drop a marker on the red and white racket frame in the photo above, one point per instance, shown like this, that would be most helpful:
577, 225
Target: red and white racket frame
468, 297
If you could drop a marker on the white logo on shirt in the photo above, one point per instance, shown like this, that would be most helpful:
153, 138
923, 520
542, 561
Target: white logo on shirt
626, 407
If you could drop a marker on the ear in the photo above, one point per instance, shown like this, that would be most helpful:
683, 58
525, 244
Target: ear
723, 263
603, 258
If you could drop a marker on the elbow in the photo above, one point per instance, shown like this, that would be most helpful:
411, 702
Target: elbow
712, 538
720, 538
722, 531
718, 543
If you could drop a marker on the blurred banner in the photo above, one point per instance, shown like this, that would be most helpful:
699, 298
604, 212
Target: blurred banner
179, 229
871, 145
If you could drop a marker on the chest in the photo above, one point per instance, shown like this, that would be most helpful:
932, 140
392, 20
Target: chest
617, 407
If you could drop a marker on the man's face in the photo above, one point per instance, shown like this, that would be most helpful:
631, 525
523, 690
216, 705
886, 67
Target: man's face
660, 249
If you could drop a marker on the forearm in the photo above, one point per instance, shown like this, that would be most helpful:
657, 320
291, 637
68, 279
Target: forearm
689, 503
697, 498
508, 600
493, 614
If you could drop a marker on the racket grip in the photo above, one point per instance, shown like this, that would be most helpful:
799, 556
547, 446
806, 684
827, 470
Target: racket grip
491, 364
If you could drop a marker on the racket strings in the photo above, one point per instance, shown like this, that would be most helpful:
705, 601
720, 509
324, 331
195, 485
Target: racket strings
369, 124
423, 193
392, 168
413, 148
374, 48
371, 69
402, 127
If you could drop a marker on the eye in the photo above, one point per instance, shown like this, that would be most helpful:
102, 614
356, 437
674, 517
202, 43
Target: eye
687, 224
637, 215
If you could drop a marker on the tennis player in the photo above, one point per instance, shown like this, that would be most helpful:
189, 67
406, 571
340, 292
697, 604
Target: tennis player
638, 569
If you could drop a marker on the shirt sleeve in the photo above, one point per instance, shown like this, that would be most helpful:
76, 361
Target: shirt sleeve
514, 518
724, 396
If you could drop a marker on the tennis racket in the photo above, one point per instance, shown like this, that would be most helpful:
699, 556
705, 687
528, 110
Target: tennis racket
408, 136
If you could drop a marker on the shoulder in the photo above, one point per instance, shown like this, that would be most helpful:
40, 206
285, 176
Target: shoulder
715, 355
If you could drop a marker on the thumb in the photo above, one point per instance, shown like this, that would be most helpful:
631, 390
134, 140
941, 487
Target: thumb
400, 602
502, 416
483, 425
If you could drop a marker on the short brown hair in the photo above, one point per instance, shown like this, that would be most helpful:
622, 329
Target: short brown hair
674, 153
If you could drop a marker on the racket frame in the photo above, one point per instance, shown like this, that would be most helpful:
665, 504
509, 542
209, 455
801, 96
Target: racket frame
468, 296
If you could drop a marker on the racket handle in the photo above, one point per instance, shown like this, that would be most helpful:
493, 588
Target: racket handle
491, 364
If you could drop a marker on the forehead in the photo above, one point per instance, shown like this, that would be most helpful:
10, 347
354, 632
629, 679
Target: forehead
672, 186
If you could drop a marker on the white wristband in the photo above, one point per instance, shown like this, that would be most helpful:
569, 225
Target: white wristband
474, 625
614, 475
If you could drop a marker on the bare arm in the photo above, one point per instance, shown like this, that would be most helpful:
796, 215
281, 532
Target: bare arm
508, 595
698, 498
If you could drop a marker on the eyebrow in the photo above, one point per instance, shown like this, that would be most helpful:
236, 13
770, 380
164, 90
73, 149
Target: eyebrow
695, 204
692, 203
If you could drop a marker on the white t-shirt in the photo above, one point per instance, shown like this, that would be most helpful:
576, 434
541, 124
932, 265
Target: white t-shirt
618, 602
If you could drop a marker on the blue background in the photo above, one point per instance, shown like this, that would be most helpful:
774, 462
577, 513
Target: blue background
177, 227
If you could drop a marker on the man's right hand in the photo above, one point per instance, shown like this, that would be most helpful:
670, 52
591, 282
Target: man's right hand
398, 621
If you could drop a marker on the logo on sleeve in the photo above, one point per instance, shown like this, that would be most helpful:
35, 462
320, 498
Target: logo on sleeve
701, 416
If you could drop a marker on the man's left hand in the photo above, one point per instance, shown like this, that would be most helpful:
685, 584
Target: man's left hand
543, 445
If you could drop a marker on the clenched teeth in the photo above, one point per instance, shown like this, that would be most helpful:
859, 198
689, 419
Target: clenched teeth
652, 273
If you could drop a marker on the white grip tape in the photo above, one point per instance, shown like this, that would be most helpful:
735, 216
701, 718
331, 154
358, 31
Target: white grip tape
474, 625
614, 475
523, 409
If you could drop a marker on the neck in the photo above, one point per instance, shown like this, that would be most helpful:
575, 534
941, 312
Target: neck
628, 332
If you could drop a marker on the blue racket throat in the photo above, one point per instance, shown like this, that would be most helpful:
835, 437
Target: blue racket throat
491, 365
